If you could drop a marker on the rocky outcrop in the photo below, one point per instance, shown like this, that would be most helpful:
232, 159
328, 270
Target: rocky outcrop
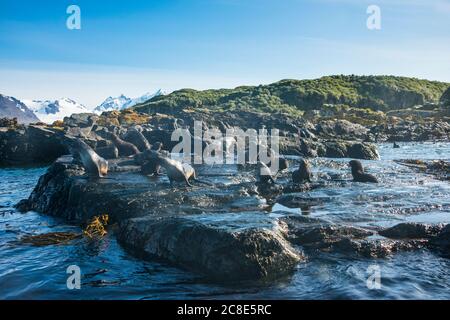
26, 145
342, 129
411, 231
154, 220
220, 230
442, 241
218, 254
338, 149
438, 168
315, 234
406, 131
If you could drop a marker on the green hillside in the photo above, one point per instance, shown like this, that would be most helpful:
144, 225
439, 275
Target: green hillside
295, 96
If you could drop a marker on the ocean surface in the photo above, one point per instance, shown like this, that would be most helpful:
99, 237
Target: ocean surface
108, 272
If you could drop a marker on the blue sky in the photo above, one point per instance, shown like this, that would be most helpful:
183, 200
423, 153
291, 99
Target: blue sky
132, 47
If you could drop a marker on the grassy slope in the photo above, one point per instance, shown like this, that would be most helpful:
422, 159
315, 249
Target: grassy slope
295, 96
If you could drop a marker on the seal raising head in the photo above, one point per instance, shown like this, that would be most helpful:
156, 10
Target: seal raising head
303, 173
358, 173
125, 148
94, 165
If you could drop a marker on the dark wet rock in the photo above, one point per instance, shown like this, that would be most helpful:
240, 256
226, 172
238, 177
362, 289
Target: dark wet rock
295, 200
65, 191
311, 149
327, 234
438, 168
315, 233
376, 248
269, 190
411, 230
30, 145
442, 241
216, 253
339, 149
407, 131
298, 187
361, 150
336, 149
342, 129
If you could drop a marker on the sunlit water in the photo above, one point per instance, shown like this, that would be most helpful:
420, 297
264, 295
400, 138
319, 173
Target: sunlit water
108, 272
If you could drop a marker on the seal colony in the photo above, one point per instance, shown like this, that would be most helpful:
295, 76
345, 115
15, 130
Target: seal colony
152, 158
220, 227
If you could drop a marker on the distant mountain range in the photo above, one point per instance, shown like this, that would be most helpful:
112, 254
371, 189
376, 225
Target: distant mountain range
12, 108
123, 102
48, 111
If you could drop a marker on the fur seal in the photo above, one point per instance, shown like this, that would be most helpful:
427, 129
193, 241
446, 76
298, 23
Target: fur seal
125, 148
283, 164
264, 173
396, 146
303, 173
151, 167
358, 173
177, 171
94, 165
135, 137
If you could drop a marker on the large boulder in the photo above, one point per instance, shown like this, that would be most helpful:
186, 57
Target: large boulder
30, 145
341, 129
338, 149
216, 253
410, 230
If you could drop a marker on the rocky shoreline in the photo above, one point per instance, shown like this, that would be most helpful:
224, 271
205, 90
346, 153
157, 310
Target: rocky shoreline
152, 220
32, 144
185, 228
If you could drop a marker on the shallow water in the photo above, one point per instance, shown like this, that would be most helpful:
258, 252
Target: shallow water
108, 272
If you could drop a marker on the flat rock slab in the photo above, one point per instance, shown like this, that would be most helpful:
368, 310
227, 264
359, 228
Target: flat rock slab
217, 253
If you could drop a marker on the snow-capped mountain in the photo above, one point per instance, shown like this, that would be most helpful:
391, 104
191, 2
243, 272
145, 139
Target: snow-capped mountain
146, 97
51, 110
117, 103
123, 102
10, 107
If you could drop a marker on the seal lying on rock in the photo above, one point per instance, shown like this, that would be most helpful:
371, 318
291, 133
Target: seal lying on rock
94, 165
303, 173
125, 148
358, 173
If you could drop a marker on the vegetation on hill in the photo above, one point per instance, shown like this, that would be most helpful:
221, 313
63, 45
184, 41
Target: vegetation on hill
445, 99
378, 93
